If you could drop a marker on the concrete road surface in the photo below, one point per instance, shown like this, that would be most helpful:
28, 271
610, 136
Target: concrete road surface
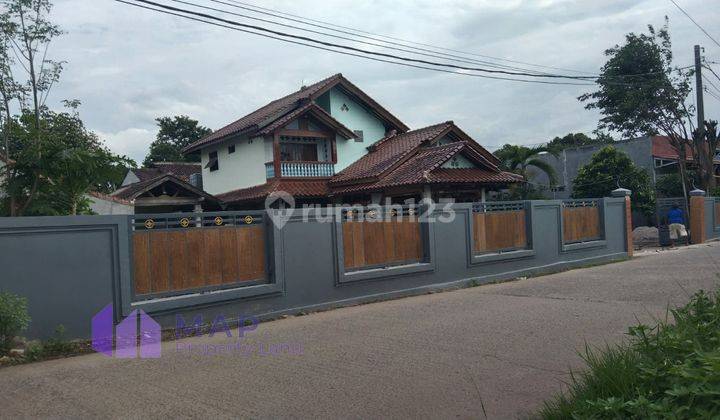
506, 347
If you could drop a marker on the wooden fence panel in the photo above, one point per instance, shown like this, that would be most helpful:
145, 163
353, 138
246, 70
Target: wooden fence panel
381, 243
581, 224
178, 260
501, 230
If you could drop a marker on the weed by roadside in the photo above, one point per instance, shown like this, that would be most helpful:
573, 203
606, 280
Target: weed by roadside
671, 370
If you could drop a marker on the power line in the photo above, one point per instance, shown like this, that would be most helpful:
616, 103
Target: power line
275, 12
184, 12
412, 51
345, 47
709, 82
345, 52
695, 22
712, 71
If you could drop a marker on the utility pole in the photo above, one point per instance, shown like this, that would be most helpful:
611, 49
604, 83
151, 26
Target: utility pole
699, 91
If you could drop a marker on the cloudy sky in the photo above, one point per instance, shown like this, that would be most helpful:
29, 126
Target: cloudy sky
129, 66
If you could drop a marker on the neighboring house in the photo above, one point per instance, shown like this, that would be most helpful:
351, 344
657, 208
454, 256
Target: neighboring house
105, 204
332, 143
164, 187
653, 153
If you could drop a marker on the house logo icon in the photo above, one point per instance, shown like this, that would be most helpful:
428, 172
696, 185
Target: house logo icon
138, 335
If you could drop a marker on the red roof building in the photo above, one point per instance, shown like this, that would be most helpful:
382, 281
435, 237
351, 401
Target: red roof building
330, 142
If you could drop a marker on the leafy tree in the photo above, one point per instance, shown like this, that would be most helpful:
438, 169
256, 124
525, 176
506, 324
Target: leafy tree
520, 160
577, 140
641, 92
609, 168
73, 161
27, 33
175, 134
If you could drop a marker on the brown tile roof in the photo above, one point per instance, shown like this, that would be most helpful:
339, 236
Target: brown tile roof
303, 188
182, 170
108, 197
278, 108
314, 109
471, 175
132, 191
389, 151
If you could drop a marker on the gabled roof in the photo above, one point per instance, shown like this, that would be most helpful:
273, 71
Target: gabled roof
182, 170
255, 121
424, 165
296, 187
313, 109
387, 154
133, 191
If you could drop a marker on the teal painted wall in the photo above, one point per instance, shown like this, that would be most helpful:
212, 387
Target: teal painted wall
458, 161
355, 117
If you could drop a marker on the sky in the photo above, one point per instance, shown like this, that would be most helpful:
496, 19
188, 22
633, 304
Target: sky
129, 66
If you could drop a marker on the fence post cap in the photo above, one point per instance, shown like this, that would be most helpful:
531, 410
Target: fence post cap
697, 192
620, 192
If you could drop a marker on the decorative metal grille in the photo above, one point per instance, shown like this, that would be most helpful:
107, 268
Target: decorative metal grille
498, 206
193, 220
581, 203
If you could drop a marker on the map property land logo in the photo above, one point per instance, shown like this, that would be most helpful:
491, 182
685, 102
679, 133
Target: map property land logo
138, 335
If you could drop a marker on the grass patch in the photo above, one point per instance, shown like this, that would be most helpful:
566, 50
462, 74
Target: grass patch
671, 370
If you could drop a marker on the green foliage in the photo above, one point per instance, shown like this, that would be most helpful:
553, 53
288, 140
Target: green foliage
520, 160
607, 168
55, 346
577, 140
671, 370
639, 90
14, 318
175, 134
70, 161
671, 186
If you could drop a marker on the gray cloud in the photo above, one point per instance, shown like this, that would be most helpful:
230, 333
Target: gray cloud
129, 66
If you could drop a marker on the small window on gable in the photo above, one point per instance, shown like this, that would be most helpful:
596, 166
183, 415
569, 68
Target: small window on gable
231, 149
344, 108
213, 163
360, 136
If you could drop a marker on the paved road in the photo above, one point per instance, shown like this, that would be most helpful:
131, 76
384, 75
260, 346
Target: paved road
505, 347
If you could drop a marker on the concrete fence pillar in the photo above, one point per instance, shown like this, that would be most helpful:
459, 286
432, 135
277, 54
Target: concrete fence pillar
697, 216
624, 192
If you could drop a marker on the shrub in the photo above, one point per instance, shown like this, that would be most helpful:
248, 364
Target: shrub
13, 319
669, 371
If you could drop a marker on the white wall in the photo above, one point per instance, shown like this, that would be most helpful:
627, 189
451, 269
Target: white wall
355, 118
108, 207
242, 169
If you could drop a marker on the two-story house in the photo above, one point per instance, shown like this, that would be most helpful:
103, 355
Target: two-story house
330, 142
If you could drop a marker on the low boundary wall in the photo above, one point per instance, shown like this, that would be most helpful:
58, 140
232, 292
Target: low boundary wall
70, 268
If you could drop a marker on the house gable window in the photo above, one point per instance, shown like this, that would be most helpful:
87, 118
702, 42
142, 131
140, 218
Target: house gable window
231, 149
213, 163
298, 152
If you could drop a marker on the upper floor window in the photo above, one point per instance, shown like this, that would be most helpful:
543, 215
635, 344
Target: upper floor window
360, 136
231, 149
213, 163
305, 152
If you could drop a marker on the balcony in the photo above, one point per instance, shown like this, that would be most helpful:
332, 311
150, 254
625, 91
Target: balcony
301, 169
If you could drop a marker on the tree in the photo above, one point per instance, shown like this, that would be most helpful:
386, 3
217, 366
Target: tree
609, 168
642, 93
73, 162
175, 134
577, 140
520, 159
27, 32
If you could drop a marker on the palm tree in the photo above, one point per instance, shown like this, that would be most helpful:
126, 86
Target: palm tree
519, 159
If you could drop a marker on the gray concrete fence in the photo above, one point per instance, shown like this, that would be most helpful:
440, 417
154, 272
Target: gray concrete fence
69, 268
